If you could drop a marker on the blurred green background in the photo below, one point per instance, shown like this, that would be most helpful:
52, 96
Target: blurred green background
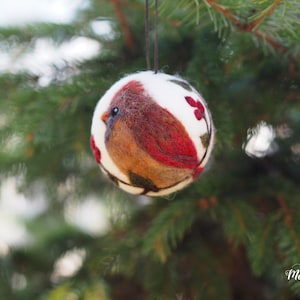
67, 233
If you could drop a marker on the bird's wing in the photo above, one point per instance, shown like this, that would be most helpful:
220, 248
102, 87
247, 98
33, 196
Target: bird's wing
164, 138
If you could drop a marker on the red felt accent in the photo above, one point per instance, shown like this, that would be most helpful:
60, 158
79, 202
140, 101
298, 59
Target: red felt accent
200, 107
96, 151
133, 86
165, 139
197, 172
198, 114
190, 101
199, 111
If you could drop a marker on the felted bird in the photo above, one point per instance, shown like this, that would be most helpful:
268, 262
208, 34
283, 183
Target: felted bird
152, 133
146, 142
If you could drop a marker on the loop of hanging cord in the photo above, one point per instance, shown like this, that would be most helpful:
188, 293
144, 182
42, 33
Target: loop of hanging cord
147, 37
156, 38
147, 34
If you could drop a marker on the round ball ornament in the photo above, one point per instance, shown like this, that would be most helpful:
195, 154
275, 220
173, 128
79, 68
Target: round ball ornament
152, 134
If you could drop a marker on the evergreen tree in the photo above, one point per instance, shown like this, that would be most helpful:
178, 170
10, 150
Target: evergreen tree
232, 234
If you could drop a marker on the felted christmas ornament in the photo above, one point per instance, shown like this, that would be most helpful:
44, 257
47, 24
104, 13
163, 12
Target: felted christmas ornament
152, 134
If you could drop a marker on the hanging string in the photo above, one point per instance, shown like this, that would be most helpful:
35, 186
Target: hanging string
156, 38
147, 36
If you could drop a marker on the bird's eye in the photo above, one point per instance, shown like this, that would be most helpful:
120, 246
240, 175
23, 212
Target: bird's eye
114, 111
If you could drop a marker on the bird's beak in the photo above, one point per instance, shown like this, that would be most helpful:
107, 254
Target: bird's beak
104, 117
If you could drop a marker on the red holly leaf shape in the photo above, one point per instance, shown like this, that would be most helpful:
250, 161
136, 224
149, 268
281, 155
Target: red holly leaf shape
191, 101
199, 111
198, 114
200, 107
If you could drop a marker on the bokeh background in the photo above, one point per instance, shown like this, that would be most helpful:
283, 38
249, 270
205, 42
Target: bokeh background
67, 233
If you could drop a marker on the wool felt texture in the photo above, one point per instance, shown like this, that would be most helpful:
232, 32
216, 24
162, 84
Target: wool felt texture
152, 133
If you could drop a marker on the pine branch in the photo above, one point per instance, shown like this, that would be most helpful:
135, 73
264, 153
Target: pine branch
239, 216
168, 228
261, 247
250, 26
129, 40
288, 220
